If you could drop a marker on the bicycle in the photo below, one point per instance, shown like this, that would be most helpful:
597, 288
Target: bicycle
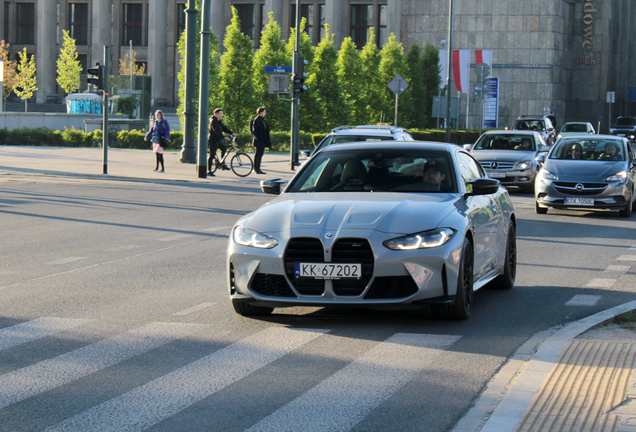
241, 163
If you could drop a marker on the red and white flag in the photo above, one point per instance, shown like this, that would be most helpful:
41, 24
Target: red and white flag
483, 56
461, 70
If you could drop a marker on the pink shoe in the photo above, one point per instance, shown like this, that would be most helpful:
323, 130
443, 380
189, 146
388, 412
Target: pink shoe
162, 171
156, 170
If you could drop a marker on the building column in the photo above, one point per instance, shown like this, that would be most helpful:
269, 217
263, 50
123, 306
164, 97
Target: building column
158, 48
101, 23
221, 16
46, 51
335, 15
394, 18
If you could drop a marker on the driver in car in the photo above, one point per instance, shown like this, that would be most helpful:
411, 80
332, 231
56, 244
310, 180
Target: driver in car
611, 152
433, 173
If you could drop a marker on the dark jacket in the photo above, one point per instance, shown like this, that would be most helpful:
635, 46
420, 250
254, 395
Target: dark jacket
216, 129
159, 128
261, 133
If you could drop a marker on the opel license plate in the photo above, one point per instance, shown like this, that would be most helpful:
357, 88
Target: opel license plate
328, 270
580, 201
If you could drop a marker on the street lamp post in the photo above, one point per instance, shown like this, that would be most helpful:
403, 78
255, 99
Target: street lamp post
451, 16
188, 151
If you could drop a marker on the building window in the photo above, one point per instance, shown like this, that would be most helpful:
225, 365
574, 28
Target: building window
6, 22
383, 37
181, 19
133, 21
246, 16
78, 13
26, 23
83, 59
363, 18
306, 11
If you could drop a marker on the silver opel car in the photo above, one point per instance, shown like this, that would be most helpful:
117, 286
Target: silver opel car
510, 156
385, 225
588, 172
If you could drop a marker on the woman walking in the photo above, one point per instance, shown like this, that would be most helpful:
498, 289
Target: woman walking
260, 138
159, 134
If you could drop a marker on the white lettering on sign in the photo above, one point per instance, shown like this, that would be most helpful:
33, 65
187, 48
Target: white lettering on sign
588, 19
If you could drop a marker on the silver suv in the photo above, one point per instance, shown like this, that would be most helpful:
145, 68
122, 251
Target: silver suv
345, 134
541, 124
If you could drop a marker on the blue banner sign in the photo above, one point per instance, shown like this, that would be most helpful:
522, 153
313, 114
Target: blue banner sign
278, 69
631, 93
491, 104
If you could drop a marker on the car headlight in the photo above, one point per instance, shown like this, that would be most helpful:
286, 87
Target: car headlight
422, 240
559, 136
619, 177
247, 237
523, 165
548, 175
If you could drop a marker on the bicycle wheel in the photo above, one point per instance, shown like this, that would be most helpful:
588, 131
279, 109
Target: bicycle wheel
241, 164
215, 164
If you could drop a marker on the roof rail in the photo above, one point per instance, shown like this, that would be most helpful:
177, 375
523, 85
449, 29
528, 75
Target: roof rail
342, 127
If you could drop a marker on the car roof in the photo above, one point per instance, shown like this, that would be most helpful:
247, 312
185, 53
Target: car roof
531, 117
510, 132
392, 145
379, 130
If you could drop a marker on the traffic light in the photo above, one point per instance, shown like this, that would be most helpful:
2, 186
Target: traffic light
97, 75
298, 79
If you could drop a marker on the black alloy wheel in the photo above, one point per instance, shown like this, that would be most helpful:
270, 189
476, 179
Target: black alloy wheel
464, 297
507, 279
243, 308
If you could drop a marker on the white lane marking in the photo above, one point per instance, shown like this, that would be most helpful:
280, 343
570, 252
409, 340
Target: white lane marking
218, 228
48, 374
194, 309
583, 300
342, 400
617, 269
601, 283
36, 329
6, 272
175, 237
626, 258
122, 248
65, 260
633, 247
151, 403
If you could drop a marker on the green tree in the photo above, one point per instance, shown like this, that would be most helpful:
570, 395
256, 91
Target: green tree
236, 85
213, 73
391, 64
27, 81
130, 62
350, 77
273, 52
68, 66
431, 81
324, 80
9, 74
371, 100
311, 111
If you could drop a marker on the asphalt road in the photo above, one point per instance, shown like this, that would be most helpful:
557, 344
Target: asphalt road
115, 316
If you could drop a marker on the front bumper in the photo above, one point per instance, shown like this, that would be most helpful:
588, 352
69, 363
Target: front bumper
613, 197
391, 279
519, 178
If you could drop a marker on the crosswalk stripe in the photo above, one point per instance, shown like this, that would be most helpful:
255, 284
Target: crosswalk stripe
48, 374
65, 260
193, 309
341, 401
583, 300
175, 237
36, 329
166, 396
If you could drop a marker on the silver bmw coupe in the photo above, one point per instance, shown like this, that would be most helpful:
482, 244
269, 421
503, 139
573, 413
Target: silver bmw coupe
387, 226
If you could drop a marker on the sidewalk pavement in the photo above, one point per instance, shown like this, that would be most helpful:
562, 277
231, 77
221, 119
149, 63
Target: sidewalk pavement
553, 382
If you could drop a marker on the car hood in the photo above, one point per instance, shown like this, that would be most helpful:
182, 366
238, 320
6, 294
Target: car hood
583, 170
399, 213
503, 155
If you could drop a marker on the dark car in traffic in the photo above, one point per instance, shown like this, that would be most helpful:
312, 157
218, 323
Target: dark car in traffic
624, 127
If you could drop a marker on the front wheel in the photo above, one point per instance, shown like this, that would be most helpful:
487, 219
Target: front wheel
215, 164
538, 209
507, 279
627, 211
242, 164
245, 309
464, 297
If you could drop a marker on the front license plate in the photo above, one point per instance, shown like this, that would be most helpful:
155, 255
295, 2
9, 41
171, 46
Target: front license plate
580, 201
620, 135
493, 174
328, 271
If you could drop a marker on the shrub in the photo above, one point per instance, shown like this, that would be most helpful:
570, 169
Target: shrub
74, 138
132, 139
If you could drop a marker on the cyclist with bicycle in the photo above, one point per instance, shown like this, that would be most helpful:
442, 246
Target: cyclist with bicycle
216, 137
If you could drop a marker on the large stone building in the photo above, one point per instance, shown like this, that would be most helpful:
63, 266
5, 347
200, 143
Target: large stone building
560, 56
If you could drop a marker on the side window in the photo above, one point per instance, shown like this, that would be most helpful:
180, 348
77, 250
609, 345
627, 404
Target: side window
469, 169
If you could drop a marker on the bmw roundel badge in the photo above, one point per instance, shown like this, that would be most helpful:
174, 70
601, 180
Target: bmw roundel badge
329, 235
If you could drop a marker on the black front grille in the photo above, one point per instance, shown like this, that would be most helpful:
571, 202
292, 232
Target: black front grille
388, 287
352, 250
569, 188
271, 285
309, 250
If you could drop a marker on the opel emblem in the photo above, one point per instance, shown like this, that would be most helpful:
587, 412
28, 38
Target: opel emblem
329, 235
579, 187
495, 165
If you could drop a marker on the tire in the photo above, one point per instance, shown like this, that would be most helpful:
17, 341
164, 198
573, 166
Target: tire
215, 164
507, 279
242, 164
245, 309
539, 210
464, 297
627, 211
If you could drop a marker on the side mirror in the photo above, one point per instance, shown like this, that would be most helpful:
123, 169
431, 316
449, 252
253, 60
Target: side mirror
272, 186
305, 153
468, 147
544, 148
483, 186
541, 157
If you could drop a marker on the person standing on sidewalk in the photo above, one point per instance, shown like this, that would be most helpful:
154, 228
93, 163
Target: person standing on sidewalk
159, 134
260, 140
216, 137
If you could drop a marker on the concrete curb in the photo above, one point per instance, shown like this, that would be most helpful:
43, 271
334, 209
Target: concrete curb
530, 375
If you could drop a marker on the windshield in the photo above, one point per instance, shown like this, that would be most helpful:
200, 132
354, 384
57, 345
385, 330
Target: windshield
574, 127
369, 170
537, 125
626, 121
506, 142
592, 149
